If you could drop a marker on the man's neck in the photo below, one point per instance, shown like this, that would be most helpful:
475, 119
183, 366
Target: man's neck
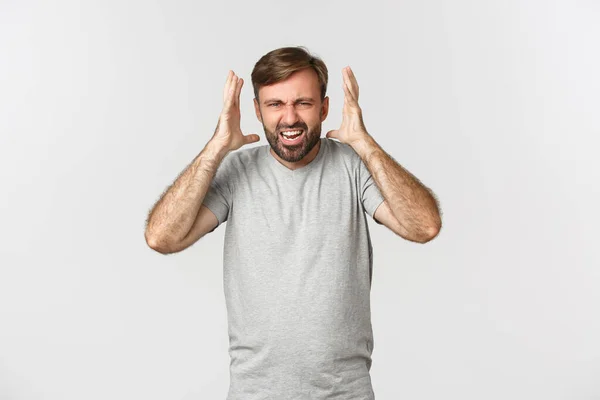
300, 163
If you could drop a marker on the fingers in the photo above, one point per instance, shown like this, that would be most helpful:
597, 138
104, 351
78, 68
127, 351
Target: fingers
350, 82
348, 96
227, 83
353, 82
238, 90
230, 96
232, 90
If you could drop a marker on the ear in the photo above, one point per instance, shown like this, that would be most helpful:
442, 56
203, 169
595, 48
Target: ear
257, 110
325, 108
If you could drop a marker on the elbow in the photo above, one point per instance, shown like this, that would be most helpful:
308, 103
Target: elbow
430, 233
434, 230
156, 244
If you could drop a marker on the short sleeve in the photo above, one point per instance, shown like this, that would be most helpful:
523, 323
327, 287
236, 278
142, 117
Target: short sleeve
219, 197
370, 196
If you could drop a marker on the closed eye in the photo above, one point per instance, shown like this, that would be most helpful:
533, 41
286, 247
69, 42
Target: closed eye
277, 104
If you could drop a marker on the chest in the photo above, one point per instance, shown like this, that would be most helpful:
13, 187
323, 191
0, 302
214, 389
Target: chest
319, 206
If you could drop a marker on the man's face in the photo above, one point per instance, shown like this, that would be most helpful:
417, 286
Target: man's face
292, 105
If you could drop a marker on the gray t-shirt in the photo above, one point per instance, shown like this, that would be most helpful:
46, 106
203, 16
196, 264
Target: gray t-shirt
297, 273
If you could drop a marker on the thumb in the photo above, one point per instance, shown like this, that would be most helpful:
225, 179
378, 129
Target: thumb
332, 134
252, 138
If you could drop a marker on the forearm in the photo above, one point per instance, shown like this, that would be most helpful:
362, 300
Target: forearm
173, 215
413, 205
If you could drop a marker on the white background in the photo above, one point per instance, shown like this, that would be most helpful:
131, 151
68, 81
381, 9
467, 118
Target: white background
493, 105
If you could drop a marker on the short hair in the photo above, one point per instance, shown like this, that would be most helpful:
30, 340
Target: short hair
277, 65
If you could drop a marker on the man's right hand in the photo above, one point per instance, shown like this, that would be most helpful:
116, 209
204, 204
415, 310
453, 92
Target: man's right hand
228, 134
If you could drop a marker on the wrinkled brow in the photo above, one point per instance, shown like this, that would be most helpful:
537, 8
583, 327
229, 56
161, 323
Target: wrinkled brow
299, 99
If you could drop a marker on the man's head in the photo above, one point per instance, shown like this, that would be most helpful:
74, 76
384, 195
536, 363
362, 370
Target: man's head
289, 89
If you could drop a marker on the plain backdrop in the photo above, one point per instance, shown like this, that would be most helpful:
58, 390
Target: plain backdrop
494, 105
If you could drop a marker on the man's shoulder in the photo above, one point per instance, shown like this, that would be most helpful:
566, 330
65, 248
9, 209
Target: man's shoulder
343, 152
245, 155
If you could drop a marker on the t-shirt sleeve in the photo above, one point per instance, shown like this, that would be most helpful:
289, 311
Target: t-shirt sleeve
219, 196
370, 196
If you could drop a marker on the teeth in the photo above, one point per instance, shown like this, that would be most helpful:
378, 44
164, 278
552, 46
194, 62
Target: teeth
291, 133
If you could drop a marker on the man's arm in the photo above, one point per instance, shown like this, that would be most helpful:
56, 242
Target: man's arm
178, 219
409, 209
412, 205
170, 222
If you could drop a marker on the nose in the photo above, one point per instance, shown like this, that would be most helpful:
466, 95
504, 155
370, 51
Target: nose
290, 116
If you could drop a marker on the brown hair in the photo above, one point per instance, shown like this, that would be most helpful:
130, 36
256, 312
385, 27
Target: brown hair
277, 65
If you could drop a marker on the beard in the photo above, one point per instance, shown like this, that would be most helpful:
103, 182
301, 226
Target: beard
298, 151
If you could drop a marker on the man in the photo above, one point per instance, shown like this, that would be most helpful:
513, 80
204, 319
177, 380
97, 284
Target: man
297, 257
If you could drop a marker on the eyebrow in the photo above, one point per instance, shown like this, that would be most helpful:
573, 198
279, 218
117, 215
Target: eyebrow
299, 99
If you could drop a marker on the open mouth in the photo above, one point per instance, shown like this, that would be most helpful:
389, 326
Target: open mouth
292, 136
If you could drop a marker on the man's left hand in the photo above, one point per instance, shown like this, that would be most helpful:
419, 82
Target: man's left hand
353, 128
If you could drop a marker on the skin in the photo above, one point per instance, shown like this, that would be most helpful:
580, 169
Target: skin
290, 104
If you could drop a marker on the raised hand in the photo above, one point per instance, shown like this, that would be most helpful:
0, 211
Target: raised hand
353, 128
228, 133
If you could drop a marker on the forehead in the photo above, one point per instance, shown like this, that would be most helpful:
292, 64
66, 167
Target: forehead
303, 83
